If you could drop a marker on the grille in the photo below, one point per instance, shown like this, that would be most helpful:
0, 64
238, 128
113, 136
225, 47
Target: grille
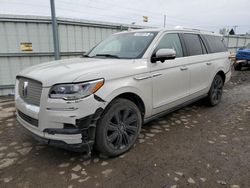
28, 119
30, 91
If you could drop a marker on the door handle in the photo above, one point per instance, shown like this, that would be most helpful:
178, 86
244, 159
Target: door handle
183, 68
142, 78
209, 63
156, 74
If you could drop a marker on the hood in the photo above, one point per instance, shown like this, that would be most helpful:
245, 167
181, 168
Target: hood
81, 69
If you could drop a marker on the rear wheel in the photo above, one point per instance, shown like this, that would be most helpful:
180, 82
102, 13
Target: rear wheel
215, 92
118, 128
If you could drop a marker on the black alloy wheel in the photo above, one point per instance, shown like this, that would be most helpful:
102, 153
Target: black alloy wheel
118, 128
216, 90
122, 128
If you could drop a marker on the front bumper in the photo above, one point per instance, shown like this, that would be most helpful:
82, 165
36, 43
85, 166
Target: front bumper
79, 139
66, 124
85, 146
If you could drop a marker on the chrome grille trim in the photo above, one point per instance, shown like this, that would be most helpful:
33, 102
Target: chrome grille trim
32, 93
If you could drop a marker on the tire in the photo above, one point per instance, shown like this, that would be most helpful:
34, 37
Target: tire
215, 92
237, 67
118, 128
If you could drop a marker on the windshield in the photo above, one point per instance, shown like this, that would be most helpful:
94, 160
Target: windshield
125, 45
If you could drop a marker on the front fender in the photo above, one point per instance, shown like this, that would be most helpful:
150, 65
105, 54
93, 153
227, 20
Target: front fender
118, 87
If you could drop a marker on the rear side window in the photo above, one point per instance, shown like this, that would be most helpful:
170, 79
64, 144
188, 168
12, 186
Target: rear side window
215, 43
193, 44
204, 49
171, 41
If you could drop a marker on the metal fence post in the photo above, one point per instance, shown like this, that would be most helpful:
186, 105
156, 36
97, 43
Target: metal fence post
237, 44
245, 42
55, 30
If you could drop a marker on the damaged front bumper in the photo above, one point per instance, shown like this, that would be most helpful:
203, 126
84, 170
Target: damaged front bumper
79, 138
67, 124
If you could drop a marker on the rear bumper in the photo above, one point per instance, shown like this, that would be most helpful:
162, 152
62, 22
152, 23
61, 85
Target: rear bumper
243, 63
246, 63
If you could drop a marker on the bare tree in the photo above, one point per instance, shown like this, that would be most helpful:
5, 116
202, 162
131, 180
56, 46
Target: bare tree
222, 31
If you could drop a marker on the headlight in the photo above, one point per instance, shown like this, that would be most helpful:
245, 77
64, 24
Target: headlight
75, 91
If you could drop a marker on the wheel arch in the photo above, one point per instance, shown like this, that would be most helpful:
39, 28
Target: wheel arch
222, 74
133, 95
135, 99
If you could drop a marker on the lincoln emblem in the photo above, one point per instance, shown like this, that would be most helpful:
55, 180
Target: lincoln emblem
25, 88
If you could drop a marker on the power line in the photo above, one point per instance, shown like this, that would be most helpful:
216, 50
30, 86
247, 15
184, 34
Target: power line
122, 7
116, 10
136, 14
152, 17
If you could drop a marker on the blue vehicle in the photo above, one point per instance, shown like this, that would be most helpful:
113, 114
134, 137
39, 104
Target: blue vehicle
242, 58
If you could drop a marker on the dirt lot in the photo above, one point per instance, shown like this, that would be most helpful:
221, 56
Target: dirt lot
196, 146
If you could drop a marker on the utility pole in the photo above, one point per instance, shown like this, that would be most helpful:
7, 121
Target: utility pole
165, 17
55, 30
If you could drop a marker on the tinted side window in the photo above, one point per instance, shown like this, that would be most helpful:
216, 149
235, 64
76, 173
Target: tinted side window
215, 43
172, 41
193, 44
204, 49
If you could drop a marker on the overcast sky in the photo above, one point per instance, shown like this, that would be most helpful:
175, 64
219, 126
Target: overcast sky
204, 14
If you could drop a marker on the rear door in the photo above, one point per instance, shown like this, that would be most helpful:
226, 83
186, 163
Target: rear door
218, 54
199, 65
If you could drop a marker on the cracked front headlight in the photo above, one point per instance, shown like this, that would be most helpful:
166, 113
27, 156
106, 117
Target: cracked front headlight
75, 91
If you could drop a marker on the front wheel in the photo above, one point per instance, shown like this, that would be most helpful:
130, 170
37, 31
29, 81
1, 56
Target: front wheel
215, 92
118, 128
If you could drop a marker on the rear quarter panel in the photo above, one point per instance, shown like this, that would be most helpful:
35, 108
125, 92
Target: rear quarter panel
220, 62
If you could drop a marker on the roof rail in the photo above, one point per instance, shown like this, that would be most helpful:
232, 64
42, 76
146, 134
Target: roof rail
194, 29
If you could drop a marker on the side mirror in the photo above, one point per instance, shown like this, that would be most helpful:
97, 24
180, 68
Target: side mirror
163, 54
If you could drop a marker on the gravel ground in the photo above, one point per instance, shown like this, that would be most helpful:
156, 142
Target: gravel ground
197, 146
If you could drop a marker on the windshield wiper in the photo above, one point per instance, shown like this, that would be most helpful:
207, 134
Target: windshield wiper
108, 55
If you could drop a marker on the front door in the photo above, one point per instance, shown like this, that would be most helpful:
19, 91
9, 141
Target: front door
171, 78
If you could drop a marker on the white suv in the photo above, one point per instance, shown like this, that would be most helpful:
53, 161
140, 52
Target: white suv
130, 78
